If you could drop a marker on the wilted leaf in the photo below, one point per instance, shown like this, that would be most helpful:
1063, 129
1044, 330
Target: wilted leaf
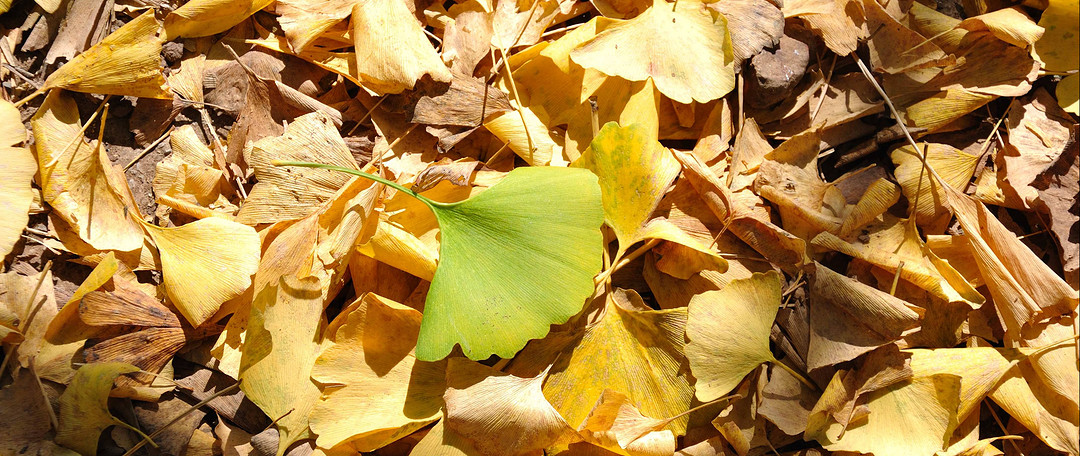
916, 415
288, 194
848, 318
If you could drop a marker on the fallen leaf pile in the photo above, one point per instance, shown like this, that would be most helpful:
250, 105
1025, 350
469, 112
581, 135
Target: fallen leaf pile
546, 227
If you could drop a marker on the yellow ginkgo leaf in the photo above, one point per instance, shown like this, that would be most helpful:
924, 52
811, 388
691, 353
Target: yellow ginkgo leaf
630, 350
728, 332
500, 413
370, 366
953, 165
83, 187
304, 20
780, 247
1068, 93
127, 62
189, 176
282, 331
84, 406
981, 368
291, 193
205, 263
684, 47
916, 416
392, 52
209, 17
616, 425
17, 169
635, 171
440, 441
1011, 25
12, 131
1061, 19
1024, 288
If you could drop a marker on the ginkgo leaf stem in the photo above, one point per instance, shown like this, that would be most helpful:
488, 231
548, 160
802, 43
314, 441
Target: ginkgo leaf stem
802, 379
382, 180
624, 260
30, 97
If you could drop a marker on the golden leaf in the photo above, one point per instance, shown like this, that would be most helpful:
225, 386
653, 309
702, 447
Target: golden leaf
127, 62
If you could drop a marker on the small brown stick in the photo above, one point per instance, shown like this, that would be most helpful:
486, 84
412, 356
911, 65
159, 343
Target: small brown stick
147, 149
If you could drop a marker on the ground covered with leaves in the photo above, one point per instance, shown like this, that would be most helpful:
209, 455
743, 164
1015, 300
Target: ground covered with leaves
506, 227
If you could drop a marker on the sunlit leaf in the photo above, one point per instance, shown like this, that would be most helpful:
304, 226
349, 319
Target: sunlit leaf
206, 263
127, 62
684, 47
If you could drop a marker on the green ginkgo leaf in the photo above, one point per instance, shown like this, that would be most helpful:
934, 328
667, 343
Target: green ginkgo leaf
513, 260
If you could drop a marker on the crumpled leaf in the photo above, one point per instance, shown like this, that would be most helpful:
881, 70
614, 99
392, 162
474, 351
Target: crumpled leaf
126, 62
17, 169
370, 366
728, 332
291, 193
635, 171
500, 413
631, 349
670, 44
392, 52
83, 187
1058, 186
509, 268
893, 241
190, 175
209, 17
754, 25
915, 416
848, 318
1024, 288
304, 20
84, 408
953, 165
1038, 133
205, 263
778, 246
616, 425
